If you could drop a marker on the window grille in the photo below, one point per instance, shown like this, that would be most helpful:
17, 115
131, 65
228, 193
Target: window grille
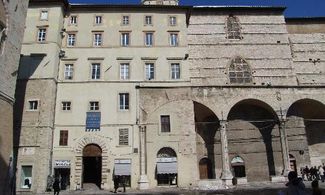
239, 71
124, 137
233, 28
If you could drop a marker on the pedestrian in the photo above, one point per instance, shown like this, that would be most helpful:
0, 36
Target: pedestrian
56, 186
123, 181
302, 172
307, 171
315, 187
116, 183
321, 173
295, 185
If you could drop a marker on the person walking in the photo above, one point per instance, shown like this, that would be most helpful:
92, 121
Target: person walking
321, 173
315, 187
295, 185
56, 186
116, 183
123, 181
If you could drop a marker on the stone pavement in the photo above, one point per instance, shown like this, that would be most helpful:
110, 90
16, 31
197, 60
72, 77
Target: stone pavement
260, 188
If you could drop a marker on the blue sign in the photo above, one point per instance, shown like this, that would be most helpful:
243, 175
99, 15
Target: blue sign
93, 121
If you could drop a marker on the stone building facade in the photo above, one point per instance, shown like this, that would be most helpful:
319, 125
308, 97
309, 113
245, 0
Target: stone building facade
12, 20
159, 94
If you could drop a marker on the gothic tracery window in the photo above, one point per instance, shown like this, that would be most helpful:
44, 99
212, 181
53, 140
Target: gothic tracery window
239, 72
233, 28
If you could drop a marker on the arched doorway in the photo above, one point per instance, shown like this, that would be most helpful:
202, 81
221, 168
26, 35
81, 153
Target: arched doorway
205, 168
306, 132
238, 166
166, 167
92, 164
253, 131
207, 140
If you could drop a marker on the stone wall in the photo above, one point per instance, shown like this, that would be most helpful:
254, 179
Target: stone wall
12, 19
264, 45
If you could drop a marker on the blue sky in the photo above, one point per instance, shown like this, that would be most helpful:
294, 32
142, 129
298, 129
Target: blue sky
295, 8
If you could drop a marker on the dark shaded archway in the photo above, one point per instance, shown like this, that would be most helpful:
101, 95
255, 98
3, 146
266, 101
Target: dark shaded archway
206, 126
251, 134
92, 164
306, 131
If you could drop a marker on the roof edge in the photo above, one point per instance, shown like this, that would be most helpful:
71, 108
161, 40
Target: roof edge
76, 6
240, 8
298, 19
47, 2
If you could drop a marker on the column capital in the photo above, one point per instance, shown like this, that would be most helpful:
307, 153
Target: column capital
223, 122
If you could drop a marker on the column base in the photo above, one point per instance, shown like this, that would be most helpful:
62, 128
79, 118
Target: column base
278, 179
227, 178
143, 182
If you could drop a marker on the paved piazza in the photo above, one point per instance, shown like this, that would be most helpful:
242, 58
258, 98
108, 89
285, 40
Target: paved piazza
252, 189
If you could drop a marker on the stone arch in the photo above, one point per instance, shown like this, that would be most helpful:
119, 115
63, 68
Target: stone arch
206, 126
305, 128
78, 149
87, 140
168, 152
91, 150
253, 131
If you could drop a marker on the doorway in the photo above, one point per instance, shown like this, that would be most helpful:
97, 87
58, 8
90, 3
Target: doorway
64, 175
92, 164
293, 163
205, 168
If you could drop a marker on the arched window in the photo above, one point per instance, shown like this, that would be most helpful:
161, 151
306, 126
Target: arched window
239, 71
233, 28
238, 165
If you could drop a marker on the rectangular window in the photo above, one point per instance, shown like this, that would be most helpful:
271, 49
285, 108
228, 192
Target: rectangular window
173, 39
172, 20
124, 71
125, 20
148, 39
93, 106
68, 72
175, 71
148, 20
95, 71
26, 177
97, 39
33, 105
73, 20
98, 19
44, 15
150, 71
165, 123
71, 40
125, 39
64, 134
123, 137
66, 106
41, 35
124, 101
